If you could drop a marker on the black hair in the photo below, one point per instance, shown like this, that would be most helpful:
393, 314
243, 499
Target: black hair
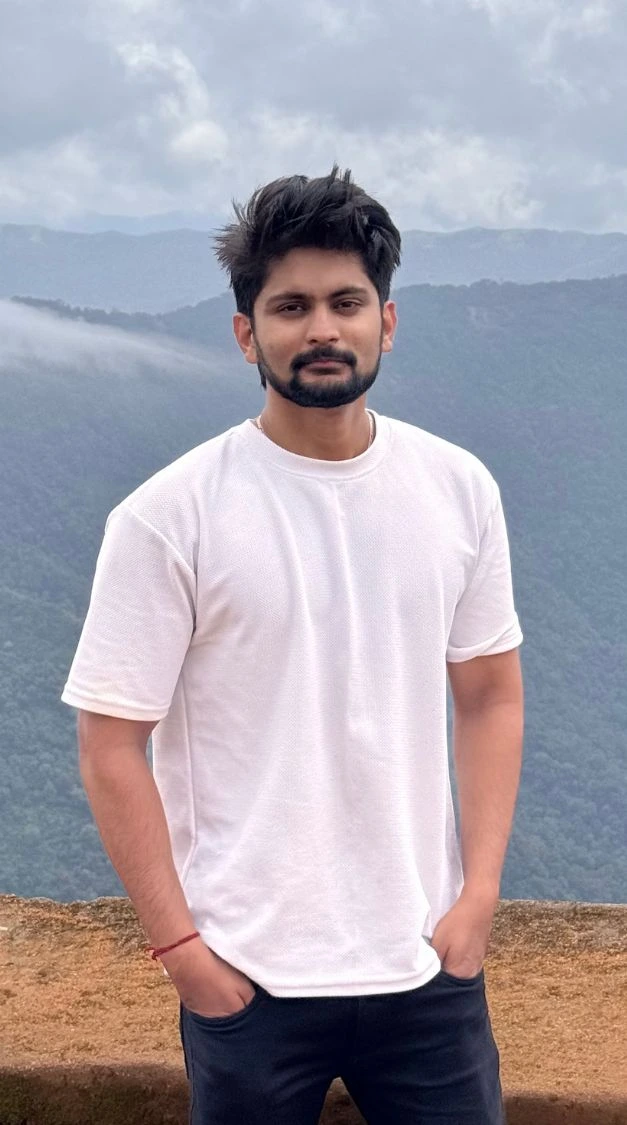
329, 213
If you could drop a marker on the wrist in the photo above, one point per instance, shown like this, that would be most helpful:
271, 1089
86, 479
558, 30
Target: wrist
184, 957
481, 892
159, 952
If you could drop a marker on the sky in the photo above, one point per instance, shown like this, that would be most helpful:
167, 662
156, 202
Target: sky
453, 113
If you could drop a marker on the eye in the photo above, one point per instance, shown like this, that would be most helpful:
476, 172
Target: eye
293, 306
348, 305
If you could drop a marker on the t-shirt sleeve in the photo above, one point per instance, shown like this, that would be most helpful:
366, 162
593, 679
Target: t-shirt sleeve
138, 627
485, 621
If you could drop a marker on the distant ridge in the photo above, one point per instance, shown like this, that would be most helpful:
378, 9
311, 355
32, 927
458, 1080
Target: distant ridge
526, 256
165, 270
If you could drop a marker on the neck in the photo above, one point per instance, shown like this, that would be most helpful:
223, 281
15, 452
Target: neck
326, 435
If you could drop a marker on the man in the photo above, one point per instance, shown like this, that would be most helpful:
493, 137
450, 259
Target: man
278, 608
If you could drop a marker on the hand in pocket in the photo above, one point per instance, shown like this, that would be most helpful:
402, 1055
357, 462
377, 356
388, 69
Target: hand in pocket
206, 984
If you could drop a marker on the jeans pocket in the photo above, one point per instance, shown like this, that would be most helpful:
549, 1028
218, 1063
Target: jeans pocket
463, 981
235, 1017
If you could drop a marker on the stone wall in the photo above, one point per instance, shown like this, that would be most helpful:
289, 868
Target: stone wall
89, 1024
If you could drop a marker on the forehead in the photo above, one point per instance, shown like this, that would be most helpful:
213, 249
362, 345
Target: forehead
315, 273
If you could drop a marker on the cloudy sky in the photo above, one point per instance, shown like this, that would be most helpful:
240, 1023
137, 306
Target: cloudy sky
454, 113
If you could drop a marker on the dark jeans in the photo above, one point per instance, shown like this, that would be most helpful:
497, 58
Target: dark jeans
424, 1057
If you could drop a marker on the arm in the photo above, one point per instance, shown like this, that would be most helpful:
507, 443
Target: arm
487, 737
487, 741
129, 814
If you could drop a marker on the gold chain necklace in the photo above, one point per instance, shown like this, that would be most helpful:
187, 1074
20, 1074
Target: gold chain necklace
370, 420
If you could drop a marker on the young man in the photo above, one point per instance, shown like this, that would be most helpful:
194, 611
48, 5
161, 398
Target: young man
279, 608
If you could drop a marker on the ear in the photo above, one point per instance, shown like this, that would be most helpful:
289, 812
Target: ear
389, 322
243, 329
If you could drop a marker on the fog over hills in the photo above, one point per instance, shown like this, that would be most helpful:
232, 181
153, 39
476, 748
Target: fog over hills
529, 378
36, 335
164, 270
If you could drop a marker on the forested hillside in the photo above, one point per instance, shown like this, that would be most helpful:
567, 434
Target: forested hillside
530, 378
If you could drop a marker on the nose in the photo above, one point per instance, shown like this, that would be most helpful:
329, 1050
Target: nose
322, 326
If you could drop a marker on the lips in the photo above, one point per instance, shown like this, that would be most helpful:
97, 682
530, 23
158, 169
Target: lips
326, 363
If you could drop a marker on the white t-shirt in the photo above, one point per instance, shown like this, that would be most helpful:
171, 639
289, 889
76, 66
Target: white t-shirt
288, 620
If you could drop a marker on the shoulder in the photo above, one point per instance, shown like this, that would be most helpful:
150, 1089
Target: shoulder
444, 463
171, 500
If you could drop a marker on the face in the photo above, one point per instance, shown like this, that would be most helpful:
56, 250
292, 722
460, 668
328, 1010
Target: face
318, 329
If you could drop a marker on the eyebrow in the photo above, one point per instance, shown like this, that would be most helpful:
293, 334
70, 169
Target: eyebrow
293, 295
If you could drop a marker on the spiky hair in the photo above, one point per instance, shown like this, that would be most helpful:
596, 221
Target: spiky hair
329, 213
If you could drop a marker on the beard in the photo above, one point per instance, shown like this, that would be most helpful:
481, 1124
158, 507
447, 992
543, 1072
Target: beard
323, 392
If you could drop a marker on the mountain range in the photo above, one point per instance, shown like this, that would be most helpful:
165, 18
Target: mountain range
161, 271
530, 378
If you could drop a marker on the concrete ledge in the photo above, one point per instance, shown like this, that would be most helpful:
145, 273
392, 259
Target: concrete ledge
105, 1095
89, 1027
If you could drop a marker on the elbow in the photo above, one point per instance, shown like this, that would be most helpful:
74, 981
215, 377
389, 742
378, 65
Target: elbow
108, 744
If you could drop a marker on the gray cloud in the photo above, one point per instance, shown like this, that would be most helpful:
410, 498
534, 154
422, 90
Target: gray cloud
453, 112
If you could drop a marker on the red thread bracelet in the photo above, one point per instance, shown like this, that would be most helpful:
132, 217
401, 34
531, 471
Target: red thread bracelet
166, 948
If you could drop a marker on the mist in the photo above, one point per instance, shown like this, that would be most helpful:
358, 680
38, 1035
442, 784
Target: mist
38, 338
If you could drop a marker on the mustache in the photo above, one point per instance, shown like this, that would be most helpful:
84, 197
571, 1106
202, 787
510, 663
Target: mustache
317, 354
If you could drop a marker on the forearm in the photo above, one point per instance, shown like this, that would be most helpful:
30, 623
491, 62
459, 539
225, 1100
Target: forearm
129, 814
488, 754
